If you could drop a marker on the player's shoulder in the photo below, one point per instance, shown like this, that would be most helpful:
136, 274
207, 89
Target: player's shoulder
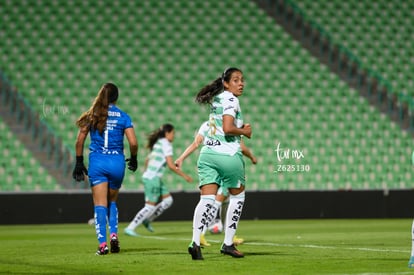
166, 146
117, 111
229, 97
203, 128
204, 125
165, 142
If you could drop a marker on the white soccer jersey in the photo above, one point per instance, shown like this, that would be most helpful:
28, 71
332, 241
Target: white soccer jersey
157, 158
223, 104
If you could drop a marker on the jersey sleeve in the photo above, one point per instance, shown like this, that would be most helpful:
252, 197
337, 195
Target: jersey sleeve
202, 131
231, 106
167, 148
128, 121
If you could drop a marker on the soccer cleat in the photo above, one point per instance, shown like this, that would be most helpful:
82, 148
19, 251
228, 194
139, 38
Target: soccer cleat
231, 250
115, 244
102, 250
148, 225
411, 262
203, 241
237, 241
131, 232
195, 251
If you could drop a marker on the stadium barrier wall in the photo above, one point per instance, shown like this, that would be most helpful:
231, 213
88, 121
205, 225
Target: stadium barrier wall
77, 207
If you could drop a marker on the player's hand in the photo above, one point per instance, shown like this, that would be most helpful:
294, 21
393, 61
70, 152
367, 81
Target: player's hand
254, 160
132, 163
247, 130
188, 178
178, 163
80, 170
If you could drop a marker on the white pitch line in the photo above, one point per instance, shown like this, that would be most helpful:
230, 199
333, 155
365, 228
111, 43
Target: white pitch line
331, 247
292, 245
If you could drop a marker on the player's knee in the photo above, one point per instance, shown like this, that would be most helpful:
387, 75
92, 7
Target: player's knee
236, 191
149, 207
167, 202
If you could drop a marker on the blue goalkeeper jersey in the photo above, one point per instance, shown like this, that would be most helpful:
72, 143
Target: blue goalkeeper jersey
111, 141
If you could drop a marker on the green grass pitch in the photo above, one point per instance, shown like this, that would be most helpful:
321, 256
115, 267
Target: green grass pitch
373, 246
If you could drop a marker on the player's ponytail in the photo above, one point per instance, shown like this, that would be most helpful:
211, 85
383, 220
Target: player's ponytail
96, 116
208, 92
159, 133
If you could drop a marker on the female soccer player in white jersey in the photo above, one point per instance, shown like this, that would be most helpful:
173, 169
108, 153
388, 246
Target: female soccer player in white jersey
202, 138
160, 144
221, 160
107, 125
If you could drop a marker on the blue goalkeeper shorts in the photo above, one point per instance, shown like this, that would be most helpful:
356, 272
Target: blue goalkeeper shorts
106, 168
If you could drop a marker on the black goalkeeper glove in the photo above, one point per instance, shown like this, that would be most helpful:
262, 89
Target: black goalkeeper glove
132, 163
80, 170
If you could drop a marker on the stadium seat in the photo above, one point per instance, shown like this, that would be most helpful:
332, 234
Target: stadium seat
18, 167
370, 30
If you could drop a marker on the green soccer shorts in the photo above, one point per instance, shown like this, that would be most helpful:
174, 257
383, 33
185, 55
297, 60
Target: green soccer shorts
225, 170
154, 188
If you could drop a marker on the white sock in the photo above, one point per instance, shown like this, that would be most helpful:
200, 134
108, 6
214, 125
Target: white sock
212, 215
161, 207
412, 238
201, 216
233, 214
204, 229
223, 210
143, 214
213, 212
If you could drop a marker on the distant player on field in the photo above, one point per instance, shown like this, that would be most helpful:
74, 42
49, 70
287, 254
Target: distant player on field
161, 152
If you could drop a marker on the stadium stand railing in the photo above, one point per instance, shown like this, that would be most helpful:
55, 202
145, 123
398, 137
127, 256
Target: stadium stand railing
29, 130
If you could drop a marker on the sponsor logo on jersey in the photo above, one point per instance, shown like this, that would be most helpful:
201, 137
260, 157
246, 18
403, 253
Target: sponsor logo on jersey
213, 142
112, 113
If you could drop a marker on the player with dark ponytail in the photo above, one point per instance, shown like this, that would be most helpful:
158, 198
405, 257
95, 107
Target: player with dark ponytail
220, 163
107, 125
157, 196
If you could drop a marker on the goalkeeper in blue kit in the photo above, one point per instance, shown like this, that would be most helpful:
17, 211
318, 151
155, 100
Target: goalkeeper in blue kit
107, 125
